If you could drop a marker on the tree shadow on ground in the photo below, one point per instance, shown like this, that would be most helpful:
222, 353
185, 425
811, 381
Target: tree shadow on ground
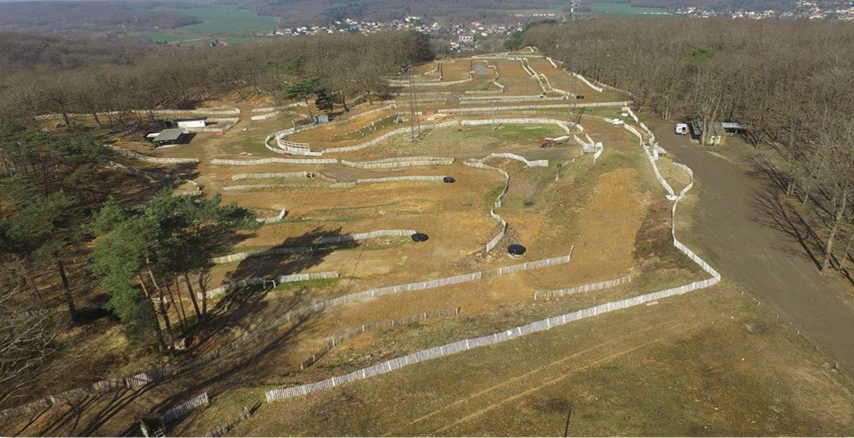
776, 213
243, 307
88, 416
773, 213
234, 371
84, 417
269, 266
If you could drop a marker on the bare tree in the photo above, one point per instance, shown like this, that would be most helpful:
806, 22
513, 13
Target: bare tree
27, 335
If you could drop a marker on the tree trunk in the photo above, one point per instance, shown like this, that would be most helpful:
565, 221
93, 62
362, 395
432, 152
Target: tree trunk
69, 298
157, 329
33, 287
182, 315
204, 292
308, 107
828, 250
165, 315
153, 280
845, 253
344, 102
97, 120
143, 285
192, 295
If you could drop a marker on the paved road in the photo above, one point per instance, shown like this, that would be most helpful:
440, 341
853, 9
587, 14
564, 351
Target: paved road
735, 228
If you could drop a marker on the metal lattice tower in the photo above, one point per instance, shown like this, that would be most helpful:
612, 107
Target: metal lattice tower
414, 123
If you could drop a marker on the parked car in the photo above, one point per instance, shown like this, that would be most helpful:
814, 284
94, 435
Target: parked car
682, 128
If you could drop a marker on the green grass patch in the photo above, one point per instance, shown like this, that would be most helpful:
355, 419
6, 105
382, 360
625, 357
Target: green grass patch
510, 133
626, 10
168, 38
224, 19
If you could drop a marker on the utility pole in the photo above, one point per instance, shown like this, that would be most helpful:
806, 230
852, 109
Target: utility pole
414, 123
568, 417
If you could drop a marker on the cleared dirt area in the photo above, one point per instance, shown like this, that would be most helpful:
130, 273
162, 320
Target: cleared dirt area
454, 215
709, 363
515, 78
562, 80
455, 70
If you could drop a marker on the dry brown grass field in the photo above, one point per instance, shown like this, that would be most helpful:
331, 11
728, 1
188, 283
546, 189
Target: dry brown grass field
708, 363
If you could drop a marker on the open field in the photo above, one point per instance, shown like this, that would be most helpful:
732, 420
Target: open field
706, 363
669, 369
626, 10
225, 19
170, 38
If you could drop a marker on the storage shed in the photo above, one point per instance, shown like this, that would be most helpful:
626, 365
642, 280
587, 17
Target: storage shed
198, 122
168, 136
715, 132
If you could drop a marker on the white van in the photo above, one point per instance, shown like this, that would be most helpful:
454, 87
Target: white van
682, 128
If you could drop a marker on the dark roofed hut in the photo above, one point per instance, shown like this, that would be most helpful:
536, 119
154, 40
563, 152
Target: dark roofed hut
168, 136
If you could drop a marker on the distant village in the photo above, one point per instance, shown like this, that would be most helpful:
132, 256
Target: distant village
810, 10
461, 37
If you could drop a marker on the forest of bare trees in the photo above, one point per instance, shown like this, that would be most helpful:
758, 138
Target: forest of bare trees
346, 65
790, 83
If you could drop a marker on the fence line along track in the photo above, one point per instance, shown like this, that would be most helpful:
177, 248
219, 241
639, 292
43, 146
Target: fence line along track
185, 408
337, 340
480, 163
538, 326
285, 146
236, 257
544, 295
299, 161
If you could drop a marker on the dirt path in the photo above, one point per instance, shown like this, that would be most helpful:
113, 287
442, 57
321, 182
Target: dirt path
734, 229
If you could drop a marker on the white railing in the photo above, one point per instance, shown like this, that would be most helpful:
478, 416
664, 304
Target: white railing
542, 325
299, 161
543, 295
273, 220
397, 162
227, 287
183, 409
337, 340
